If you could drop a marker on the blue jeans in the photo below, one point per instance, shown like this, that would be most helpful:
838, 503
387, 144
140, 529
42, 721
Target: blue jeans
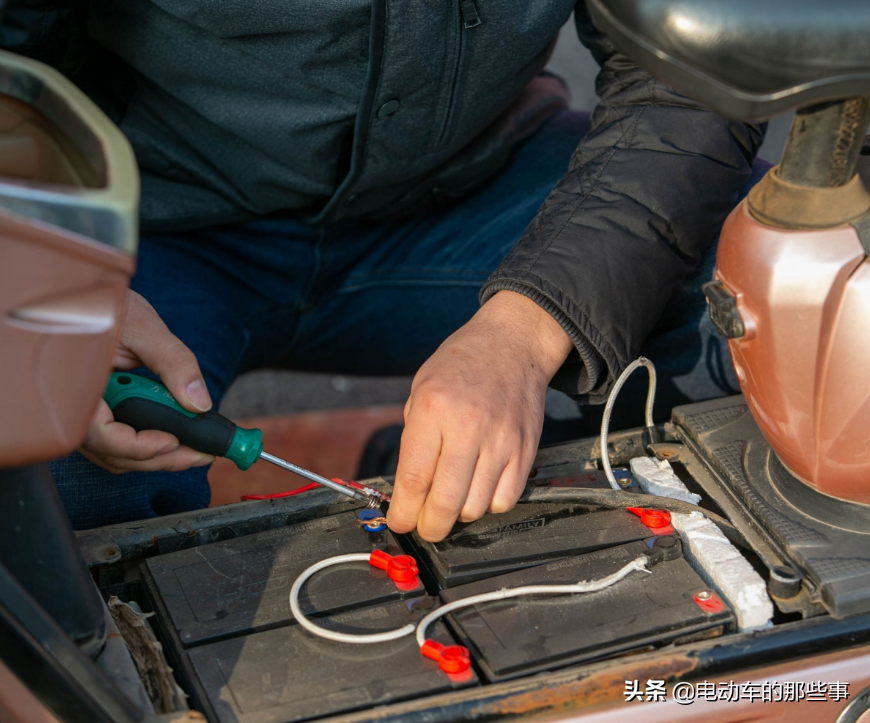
358, 298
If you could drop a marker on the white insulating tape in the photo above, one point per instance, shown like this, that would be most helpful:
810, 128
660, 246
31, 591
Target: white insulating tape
657, 477
725, 570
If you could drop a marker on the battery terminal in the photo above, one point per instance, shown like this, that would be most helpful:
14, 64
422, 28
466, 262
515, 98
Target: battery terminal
709, 602
372, 520
654, 519
400, 569
450, 658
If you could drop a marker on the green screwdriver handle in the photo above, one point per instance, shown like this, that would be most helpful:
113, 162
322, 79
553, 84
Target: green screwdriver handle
146, 404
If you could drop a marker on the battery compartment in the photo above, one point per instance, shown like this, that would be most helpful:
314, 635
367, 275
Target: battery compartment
223, 616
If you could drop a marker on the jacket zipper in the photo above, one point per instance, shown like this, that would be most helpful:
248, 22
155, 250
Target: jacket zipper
469, 18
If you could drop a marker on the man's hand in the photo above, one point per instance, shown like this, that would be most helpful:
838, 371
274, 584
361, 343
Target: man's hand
145, 339
474, 417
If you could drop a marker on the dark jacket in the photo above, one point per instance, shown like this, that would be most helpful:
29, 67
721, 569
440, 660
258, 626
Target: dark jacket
372, 108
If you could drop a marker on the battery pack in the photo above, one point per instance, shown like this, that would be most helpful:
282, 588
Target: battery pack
240, 586
288, 674
525, 635
590, 479
527, 535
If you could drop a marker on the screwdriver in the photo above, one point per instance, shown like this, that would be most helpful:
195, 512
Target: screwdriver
144, 403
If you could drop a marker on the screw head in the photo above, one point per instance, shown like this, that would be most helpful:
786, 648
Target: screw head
704, 595
110, 553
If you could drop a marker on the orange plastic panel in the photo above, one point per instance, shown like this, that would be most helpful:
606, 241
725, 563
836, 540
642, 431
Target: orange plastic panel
804, 297
61, 298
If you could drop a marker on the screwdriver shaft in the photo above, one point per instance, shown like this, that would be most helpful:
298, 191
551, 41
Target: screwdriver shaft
302, 472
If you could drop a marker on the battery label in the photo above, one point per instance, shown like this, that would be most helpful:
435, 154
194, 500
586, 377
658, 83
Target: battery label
513, 529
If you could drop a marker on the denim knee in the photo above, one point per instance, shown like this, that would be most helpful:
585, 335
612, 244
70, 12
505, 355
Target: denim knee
94, 497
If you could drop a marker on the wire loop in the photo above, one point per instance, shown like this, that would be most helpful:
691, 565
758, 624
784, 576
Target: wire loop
639, 564
608, 410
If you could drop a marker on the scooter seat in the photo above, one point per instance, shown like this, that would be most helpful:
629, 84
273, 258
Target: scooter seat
746, 59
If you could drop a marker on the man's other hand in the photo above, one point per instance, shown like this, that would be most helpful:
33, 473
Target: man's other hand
474, 417
146, 340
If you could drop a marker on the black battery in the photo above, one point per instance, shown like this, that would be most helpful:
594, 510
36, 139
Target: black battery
590, 479
240, 586
288, 674
525, 635
527, 535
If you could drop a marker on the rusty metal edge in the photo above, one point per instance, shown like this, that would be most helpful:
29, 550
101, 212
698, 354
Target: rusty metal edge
580, 689
144, 538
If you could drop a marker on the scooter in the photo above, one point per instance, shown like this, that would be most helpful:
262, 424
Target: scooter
786, 463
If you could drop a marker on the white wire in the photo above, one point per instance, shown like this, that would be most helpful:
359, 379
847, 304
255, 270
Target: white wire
591, 586
583, 586
608, 410
332, 634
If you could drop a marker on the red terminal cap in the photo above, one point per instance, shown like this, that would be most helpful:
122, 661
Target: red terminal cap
652, 518
401, 568
450, 658
709, 602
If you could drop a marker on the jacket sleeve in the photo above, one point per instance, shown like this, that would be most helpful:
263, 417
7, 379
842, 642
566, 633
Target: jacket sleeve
646, 191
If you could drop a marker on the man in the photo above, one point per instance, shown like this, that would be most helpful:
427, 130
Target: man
334, 185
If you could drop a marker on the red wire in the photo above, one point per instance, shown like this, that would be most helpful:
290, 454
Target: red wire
290, 493
276, 495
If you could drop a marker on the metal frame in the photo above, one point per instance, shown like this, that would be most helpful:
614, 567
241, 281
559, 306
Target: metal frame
52, 667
